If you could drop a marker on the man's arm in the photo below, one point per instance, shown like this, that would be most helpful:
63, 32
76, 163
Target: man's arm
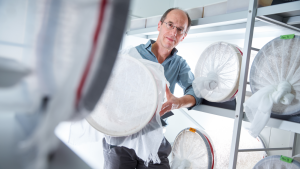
176, 103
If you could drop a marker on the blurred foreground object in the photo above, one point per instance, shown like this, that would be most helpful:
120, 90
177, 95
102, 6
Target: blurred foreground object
11, 72
70, 49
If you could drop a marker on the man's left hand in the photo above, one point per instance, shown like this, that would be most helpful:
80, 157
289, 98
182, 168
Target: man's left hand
171, 104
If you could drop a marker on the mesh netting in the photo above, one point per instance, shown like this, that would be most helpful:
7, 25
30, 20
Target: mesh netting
129, 100
278, 61
274, 162
191, 150
275, 82
128, 111
217, 72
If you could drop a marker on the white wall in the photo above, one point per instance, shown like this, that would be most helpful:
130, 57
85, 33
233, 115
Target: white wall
146, 8
187, 4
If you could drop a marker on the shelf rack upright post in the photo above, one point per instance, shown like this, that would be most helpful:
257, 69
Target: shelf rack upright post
242, 84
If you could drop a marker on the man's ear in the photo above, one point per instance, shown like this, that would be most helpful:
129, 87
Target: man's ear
159, 26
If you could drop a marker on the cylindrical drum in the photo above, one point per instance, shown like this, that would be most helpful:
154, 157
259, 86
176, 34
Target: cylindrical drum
277, 66
217, 72
129, 100
192, 148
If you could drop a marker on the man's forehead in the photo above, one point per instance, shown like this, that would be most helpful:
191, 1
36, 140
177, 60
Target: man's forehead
177, 16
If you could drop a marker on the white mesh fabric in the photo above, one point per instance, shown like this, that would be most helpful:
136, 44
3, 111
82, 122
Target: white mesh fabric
217, 72
274, 162
277, 61
147, 141
148, 135
82, 132
275, 82
129, 100
189, 151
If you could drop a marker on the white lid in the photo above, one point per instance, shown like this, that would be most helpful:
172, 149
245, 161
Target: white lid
219, 68
277, 61
129, 100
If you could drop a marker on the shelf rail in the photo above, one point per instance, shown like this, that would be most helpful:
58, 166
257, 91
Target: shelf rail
265, 149
242, 84
277, 23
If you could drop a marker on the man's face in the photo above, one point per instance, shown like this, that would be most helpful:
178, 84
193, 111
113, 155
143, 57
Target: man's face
170, 38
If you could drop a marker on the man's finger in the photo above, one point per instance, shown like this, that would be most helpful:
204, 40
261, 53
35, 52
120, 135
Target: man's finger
162, 112
164, 109
168, 93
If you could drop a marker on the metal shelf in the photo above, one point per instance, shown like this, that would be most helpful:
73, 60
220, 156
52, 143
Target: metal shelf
275, 123
286, 13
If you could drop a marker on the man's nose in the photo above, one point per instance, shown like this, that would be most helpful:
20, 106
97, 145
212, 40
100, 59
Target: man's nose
174, 31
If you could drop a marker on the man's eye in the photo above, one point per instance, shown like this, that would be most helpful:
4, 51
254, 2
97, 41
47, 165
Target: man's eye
171, 25
180, 30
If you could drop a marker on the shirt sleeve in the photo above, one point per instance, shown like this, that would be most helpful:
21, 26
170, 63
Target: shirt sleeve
185, 80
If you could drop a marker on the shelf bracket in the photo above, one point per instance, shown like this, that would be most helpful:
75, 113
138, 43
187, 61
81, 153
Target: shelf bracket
278, 23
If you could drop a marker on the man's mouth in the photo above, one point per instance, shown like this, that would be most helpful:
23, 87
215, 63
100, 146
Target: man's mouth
170, 39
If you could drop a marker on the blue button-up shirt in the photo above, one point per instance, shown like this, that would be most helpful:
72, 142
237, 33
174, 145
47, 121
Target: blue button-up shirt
175, 67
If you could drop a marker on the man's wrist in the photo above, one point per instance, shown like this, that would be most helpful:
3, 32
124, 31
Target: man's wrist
187, 101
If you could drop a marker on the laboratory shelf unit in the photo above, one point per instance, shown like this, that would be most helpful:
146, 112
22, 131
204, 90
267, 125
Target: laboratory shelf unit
287, 14
284, 16
275, 123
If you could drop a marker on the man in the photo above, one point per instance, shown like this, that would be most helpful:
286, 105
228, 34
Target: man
173, 28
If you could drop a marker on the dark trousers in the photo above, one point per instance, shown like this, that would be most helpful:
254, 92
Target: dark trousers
125, 158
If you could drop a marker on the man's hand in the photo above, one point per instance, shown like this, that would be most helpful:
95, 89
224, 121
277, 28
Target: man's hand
175, 102
172, 103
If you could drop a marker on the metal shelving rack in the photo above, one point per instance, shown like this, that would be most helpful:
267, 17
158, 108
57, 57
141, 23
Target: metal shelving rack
284, 16
252, 14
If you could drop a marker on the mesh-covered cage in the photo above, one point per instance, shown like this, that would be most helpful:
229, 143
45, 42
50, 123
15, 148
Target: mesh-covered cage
275, 82
192, 149
129, 100
278, 61
275, 162
128, 111
217, 72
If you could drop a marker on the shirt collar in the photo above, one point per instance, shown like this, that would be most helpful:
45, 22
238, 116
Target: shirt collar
148, 46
